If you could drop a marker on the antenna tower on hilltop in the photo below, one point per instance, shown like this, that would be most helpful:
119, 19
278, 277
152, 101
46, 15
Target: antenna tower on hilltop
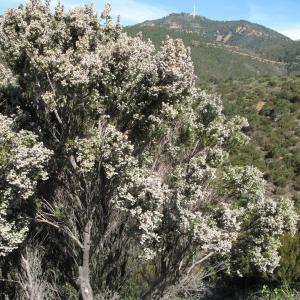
194, 12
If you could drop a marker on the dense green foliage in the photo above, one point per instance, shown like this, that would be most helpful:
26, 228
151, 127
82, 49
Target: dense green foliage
272, 107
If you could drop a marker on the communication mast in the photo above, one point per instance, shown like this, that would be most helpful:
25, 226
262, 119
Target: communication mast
194, 12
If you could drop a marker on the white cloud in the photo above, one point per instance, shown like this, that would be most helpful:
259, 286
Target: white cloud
130, 11
134, 11
293, 32
257, 15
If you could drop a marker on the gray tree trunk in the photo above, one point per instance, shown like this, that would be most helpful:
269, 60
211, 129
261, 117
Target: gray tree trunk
84, 270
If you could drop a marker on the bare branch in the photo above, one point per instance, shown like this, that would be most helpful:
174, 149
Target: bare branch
50, 219
198, 262
54, 92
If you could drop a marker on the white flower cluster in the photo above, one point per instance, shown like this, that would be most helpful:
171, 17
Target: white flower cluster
215, 234
143, 198
71, 54
22, 164
107, 147
262, 220
245, 182
265, 221
6, 77
191, 192
11, 232
175, 70
211, 104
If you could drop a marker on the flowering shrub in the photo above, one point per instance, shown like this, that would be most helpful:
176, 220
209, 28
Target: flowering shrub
140, 155
22, 164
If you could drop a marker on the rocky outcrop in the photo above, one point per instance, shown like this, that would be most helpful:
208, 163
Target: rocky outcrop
250, 30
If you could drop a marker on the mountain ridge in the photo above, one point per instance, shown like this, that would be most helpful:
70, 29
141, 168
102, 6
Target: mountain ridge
249, 48
241, 33
205, 19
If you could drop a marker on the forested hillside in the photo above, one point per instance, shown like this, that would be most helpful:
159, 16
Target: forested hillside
245, 35
226, 49
213, 62
272, 107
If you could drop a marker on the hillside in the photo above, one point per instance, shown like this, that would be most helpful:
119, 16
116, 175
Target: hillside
243, 34
226, 49
272, 107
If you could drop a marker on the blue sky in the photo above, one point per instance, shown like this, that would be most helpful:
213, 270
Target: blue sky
281, 15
